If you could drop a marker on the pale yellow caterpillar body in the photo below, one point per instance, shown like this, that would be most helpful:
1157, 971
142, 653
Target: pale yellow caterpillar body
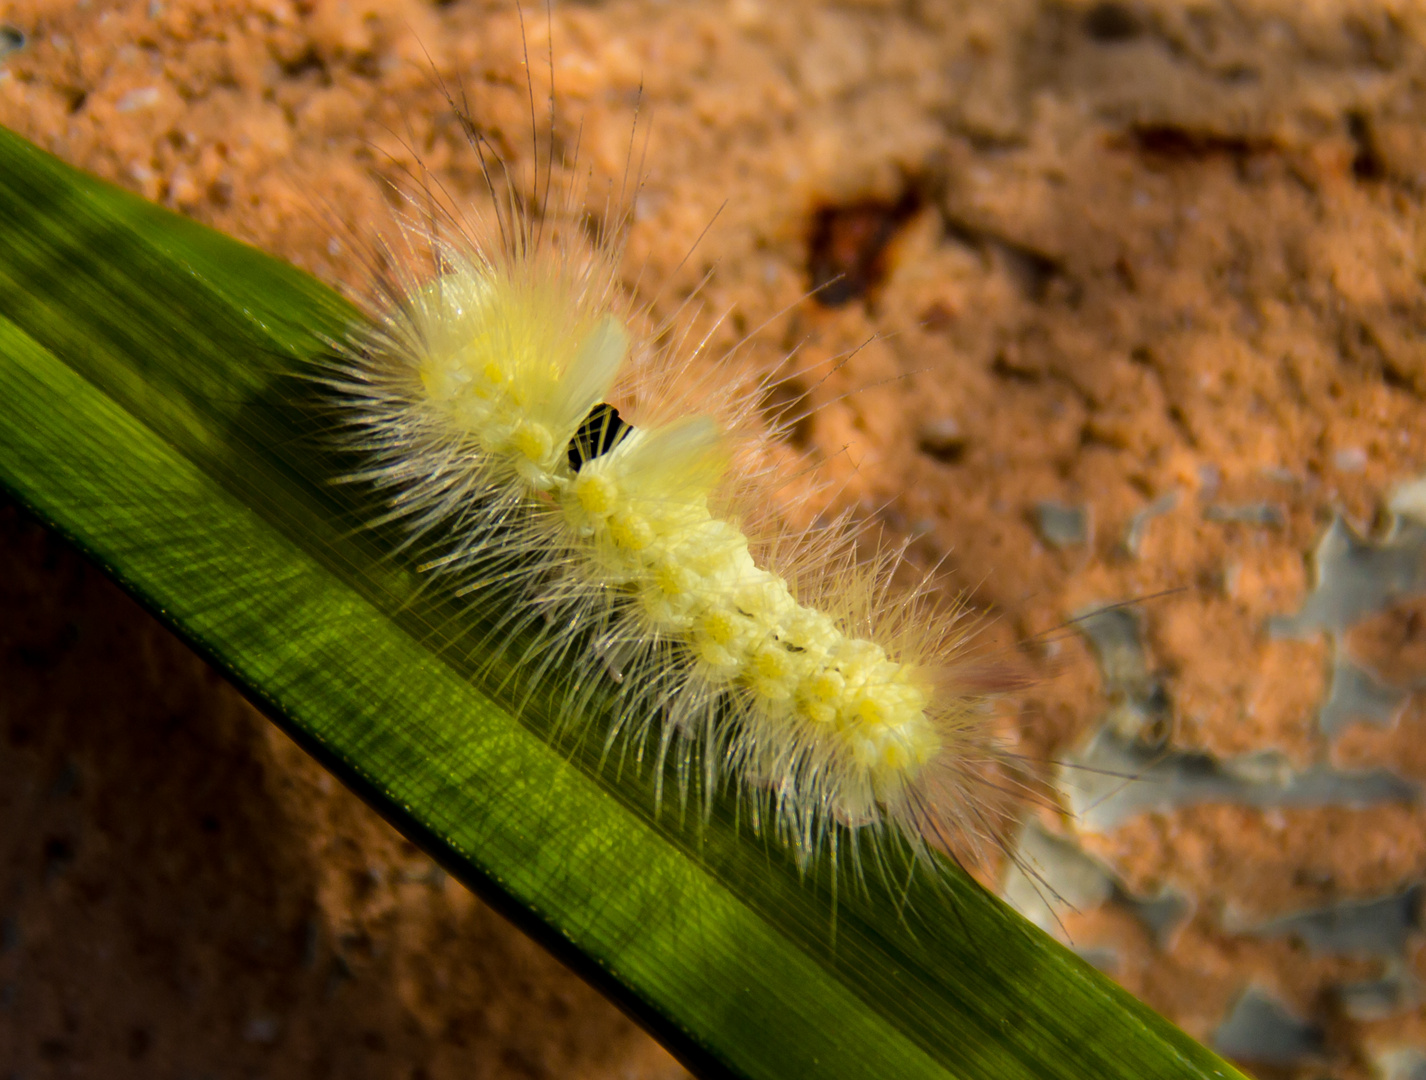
553, 460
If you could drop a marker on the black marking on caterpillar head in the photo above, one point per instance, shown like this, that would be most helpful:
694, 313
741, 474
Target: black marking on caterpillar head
602, 430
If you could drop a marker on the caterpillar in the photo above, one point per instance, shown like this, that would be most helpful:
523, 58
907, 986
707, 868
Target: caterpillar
556, 457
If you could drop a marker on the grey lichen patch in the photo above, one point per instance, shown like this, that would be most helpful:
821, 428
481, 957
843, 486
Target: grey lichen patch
1139, 708
1367, 598
942, 439
1378, 999
1139, 523
1261, 1028
1357, 696
1401, 1063
1382, 928
1051, 876
1409, 500
1266, 515
1378, 927
12, 40
1103, 958
1163, 914
1356, 578
1127, 767
1110, 781
1061, 525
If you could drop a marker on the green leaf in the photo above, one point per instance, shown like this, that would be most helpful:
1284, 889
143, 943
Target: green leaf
149, 411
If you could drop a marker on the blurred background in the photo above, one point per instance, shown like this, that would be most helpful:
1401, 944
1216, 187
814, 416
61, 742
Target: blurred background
1118, 302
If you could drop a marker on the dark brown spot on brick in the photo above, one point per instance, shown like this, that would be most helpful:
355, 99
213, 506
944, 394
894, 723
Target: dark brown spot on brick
1112, 22
849, 245
1367, 164
1168, 142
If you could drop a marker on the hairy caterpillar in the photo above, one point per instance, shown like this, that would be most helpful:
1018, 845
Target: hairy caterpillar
553, 456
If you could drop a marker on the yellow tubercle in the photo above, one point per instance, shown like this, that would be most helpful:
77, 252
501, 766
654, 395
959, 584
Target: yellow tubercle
771, 675
533, 441
596, 493
630, 531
